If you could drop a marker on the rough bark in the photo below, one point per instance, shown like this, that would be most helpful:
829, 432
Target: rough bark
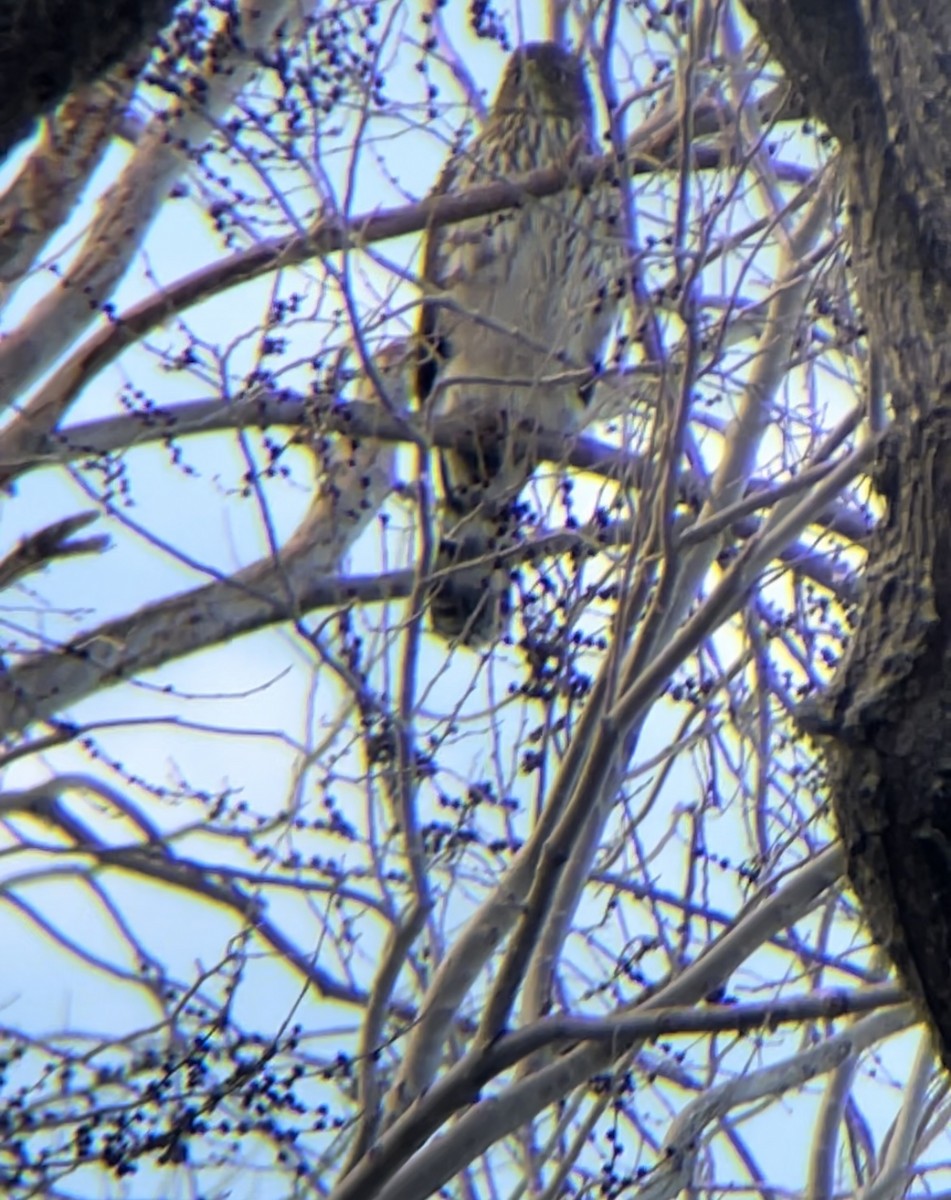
877, 74
49, 47
880, 81
887, 717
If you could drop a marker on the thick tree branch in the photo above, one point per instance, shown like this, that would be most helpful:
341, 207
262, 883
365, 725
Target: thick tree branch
51, 180
489, 1121
685, 1138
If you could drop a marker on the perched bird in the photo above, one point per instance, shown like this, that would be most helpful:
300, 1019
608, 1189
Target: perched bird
516, 302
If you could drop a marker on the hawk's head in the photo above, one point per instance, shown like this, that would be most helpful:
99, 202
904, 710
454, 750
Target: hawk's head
548, 80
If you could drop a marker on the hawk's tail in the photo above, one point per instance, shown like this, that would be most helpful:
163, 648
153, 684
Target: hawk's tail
470, 604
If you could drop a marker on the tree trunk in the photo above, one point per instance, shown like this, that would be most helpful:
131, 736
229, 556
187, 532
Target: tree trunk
887, 717
48, 48
877, 77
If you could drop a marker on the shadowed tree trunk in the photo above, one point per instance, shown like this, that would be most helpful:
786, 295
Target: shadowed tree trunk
877, 76
48, 48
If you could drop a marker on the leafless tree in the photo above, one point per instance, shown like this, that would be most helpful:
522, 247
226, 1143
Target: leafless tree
299, 899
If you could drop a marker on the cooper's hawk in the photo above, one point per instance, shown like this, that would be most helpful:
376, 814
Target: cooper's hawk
518, 307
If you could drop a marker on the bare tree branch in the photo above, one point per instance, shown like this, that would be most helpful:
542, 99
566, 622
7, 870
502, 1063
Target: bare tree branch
125, 214
486, 1122
54, 542
51, 180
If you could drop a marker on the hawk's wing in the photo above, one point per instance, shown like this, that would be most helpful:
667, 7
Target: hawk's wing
465, 251
431, 349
